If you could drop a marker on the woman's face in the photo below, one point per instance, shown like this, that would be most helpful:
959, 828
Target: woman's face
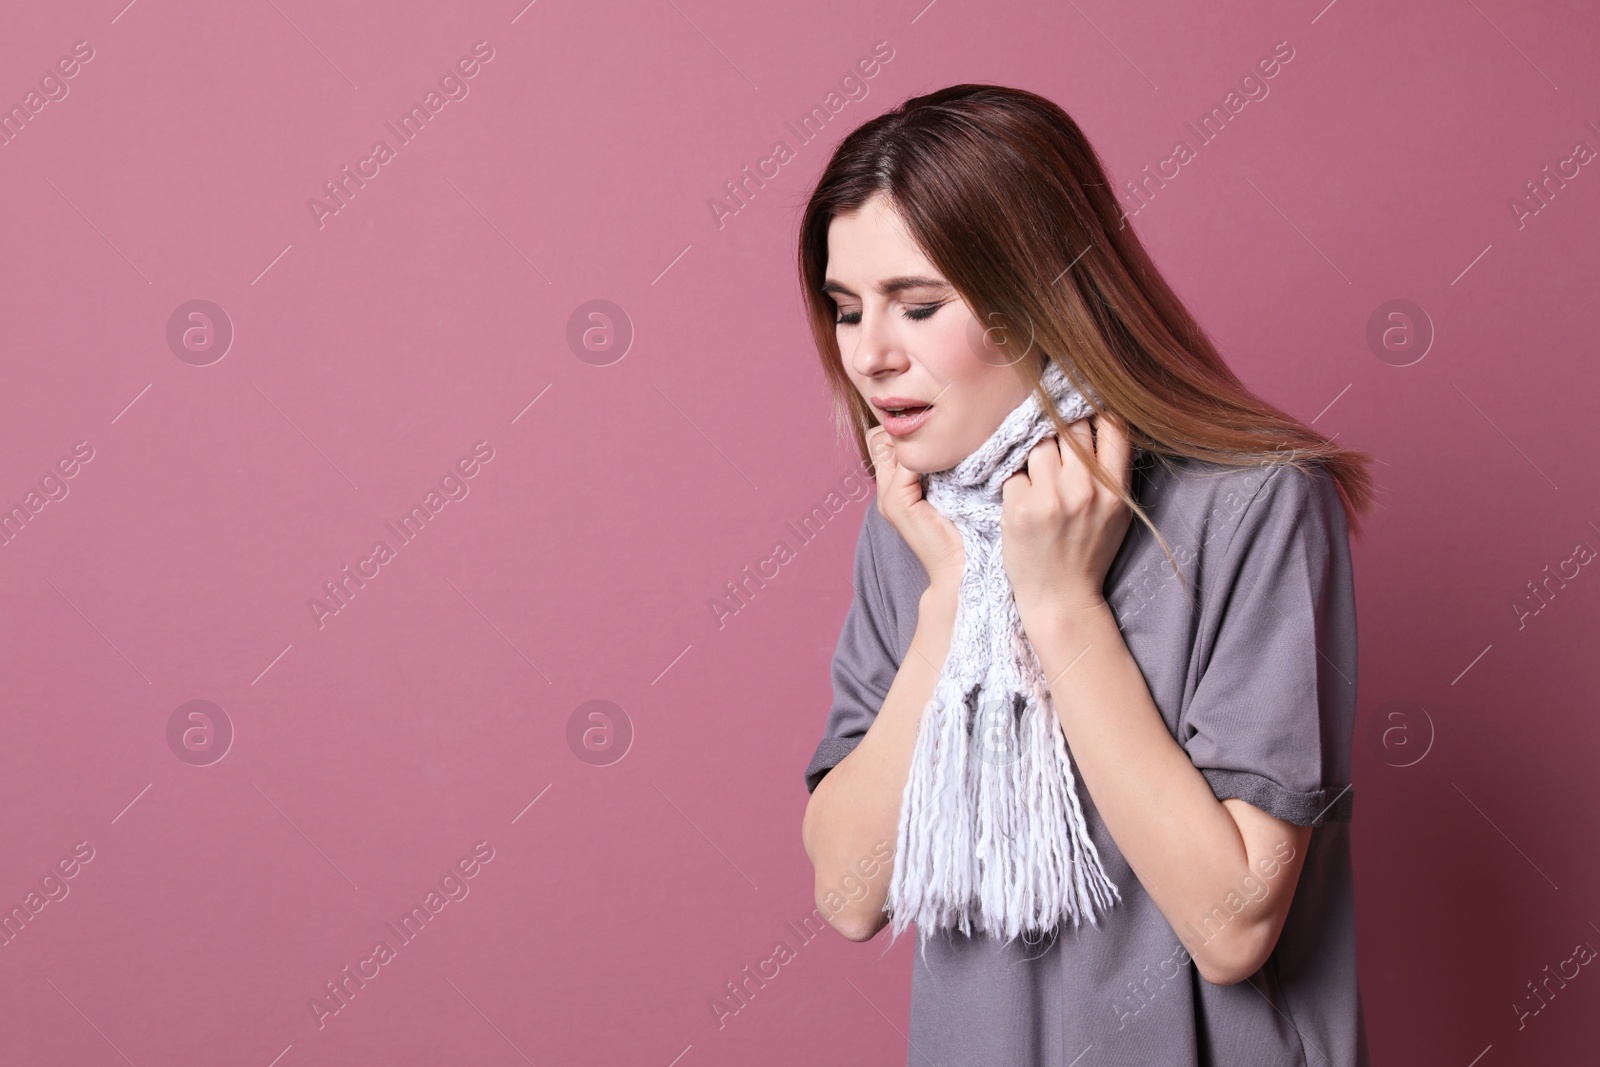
907, 338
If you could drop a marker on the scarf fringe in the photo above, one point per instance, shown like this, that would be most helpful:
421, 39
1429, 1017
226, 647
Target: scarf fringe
1017, 860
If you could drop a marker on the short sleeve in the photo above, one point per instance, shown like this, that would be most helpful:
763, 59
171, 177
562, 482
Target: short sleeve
1272, 715
864, 665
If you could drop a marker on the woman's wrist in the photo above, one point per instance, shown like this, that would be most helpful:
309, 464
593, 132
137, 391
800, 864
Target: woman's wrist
942, 592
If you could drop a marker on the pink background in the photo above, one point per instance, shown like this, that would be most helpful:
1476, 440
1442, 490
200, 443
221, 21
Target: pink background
373, 752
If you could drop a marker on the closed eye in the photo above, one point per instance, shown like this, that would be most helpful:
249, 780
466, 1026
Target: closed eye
915, 314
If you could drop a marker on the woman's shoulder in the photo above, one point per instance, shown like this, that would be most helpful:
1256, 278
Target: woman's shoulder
1218, 499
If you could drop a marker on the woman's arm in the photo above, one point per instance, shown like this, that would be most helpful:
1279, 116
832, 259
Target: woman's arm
856, 805
1204, 862
1222, 872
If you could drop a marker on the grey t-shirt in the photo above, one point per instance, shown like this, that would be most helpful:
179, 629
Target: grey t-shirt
1256, 679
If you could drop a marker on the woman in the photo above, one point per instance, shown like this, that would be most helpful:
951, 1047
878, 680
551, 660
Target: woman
1113, 759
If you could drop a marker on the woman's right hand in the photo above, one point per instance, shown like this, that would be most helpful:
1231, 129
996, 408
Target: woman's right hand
934, 538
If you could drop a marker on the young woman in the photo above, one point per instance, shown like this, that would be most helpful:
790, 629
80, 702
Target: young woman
1103, 766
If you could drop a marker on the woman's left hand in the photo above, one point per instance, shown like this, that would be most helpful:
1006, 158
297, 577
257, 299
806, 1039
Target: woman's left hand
1059, 528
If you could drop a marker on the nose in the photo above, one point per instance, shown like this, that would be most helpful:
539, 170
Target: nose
877, 348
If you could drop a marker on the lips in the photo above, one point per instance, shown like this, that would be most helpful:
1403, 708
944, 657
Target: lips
899, 405
902, 414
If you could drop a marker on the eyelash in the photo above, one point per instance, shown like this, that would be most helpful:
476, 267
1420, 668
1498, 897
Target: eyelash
917, 314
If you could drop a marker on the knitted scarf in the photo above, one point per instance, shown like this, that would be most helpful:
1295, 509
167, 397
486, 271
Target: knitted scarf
991, 833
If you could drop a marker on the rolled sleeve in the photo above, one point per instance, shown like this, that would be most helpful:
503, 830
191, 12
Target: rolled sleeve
1270, 718
864, 664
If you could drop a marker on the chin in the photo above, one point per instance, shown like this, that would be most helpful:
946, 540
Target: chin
925, 457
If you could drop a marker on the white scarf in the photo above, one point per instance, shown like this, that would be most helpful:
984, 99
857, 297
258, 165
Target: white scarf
991, 832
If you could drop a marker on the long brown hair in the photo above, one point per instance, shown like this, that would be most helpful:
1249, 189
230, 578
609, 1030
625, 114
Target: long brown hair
1006, 197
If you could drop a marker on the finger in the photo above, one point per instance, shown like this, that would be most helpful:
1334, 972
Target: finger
1075, 476
1083, 434
895, 477
881, 454
880, 451
1043, 459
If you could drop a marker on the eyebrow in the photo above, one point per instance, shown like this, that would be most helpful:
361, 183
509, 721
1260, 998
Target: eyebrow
890, 286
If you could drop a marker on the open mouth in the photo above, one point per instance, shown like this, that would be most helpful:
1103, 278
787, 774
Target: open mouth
900, 421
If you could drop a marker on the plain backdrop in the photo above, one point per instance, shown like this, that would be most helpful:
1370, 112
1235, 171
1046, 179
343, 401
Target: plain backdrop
642, 460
